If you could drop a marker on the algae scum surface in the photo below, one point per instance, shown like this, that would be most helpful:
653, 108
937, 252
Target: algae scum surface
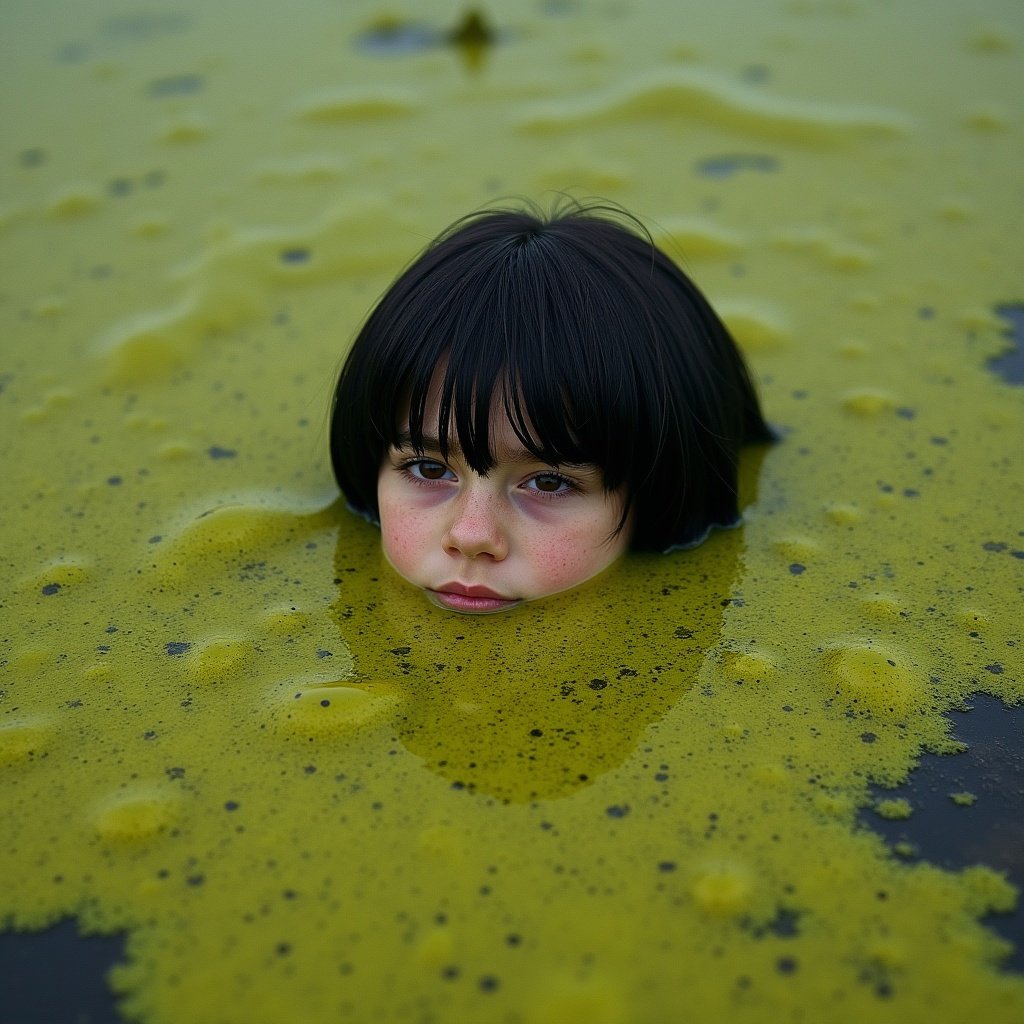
228, 734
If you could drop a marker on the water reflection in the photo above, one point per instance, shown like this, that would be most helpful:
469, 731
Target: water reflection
538, 702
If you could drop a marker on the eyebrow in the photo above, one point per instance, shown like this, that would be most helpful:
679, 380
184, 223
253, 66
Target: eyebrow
432, 445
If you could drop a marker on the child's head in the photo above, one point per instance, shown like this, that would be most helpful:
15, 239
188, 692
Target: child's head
533, 396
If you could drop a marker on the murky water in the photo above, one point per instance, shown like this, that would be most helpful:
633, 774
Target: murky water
228, 732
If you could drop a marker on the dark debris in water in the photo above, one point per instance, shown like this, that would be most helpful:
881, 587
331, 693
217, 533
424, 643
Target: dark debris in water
1010, 364
32, 961
472, 35
985, 825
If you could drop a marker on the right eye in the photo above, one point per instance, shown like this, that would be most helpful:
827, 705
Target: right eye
428, 470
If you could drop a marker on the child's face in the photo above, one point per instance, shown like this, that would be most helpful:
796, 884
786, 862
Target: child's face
484, 544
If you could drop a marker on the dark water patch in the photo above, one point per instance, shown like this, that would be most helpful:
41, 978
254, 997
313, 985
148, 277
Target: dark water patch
728, 164
398, 38
176, 85
968, 808
1010, 364
72, 53
58, 975
756, 74
35, 156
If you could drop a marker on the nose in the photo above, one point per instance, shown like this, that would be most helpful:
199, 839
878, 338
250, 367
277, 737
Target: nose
476, 528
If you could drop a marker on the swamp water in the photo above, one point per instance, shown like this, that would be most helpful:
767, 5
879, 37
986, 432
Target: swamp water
229, 734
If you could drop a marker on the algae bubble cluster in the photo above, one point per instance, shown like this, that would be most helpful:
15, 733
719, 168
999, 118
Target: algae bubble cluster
230, 734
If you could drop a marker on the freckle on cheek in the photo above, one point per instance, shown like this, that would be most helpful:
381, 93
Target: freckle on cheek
558, 565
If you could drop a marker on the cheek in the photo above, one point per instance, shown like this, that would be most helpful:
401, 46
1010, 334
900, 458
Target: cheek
402, 532
403, 539
564, 559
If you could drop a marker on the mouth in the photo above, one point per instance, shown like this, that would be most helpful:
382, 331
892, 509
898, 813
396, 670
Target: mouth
475, 600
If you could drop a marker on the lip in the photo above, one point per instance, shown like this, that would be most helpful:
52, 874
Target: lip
473, 599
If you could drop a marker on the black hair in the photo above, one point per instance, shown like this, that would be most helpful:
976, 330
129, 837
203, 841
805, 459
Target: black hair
602, 352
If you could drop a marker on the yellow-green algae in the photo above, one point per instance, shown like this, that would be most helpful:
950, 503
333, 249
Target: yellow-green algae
304, 794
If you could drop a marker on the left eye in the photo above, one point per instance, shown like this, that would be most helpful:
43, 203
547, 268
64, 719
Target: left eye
548, 483
427, 469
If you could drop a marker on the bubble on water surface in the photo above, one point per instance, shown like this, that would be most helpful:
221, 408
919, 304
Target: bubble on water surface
869, 402
151, 225
185, 129
62, 573
724, 889
992, 118
318, 712
876, 678
754, 666
357, 104
24, 741
884, 607
843, 514
798, 548
991, 40
131, 818
219, 658
74, 201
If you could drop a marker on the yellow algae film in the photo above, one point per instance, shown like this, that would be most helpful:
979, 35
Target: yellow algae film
238, 749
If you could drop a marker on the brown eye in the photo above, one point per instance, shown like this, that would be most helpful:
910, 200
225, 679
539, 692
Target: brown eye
426, 469
549, 483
